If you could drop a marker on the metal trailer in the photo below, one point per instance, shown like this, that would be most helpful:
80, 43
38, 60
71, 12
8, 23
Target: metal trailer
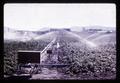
27, 61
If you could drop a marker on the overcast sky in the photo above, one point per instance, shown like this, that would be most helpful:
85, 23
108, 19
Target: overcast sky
36, 16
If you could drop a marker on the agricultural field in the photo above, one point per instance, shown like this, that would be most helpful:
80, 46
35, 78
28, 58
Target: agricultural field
11, 48
89, 62
90, 55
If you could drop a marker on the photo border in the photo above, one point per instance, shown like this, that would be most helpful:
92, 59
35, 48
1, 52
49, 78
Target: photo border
60, 1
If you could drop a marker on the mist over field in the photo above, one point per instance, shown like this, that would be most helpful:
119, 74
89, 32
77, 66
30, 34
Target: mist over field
22, 35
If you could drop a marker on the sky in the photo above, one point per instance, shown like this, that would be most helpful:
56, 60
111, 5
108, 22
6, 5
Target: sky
37, 16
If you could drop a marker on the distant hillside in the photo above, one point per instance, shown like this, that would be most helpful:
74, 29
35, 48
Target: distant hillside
80, 28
